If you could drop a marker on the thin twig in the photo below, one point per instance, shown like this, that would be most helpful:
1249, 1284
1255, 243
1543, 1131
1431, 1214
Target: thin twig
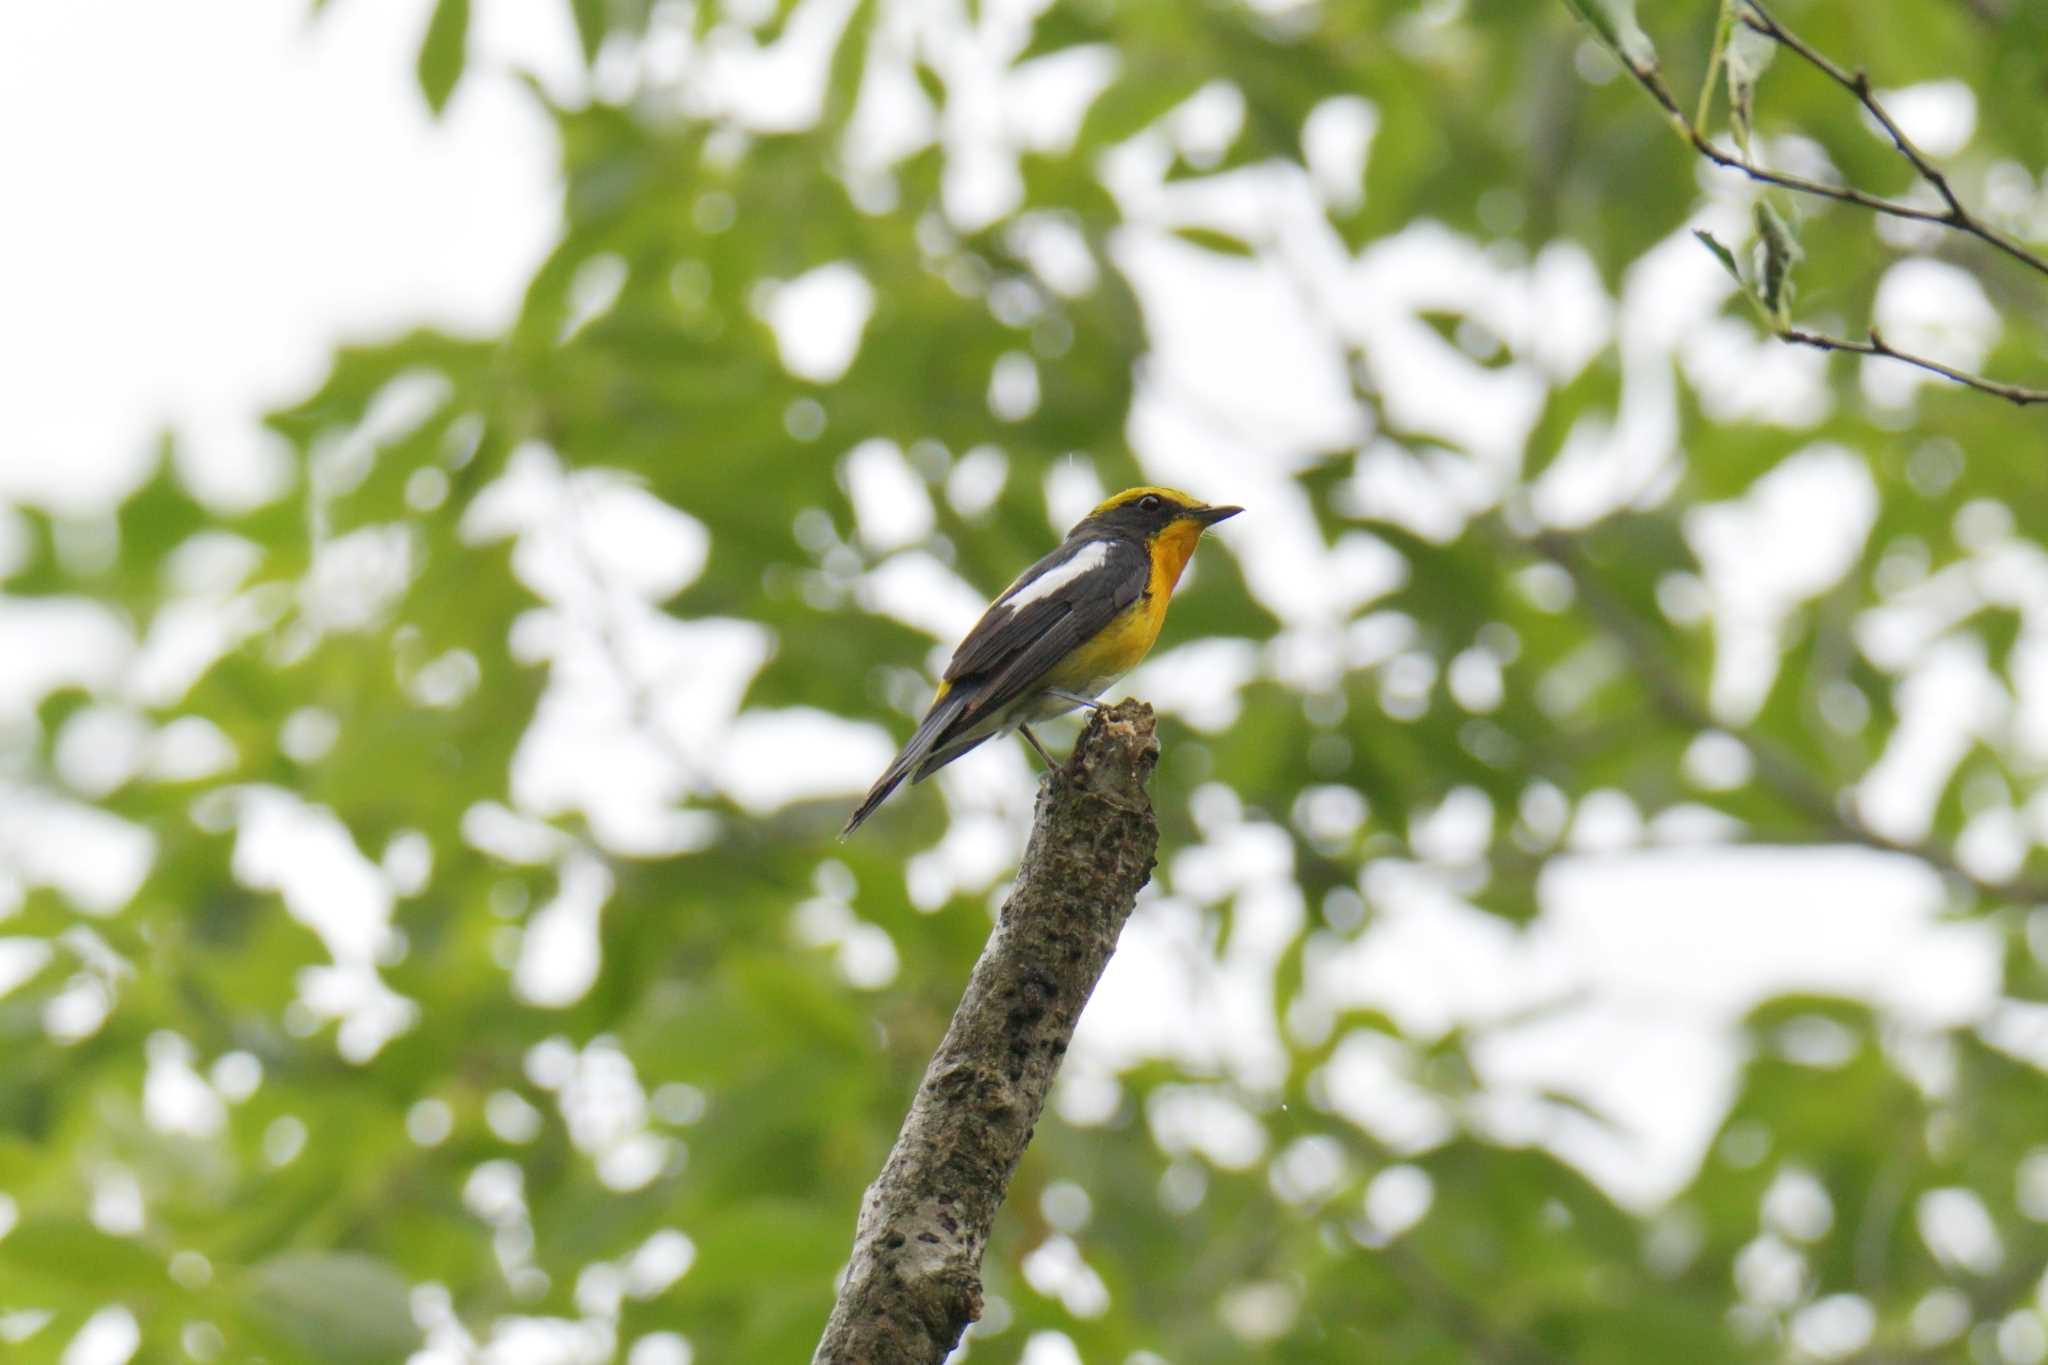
1952, 214
1857, 83
1648, 77
1877, 345
1779, 769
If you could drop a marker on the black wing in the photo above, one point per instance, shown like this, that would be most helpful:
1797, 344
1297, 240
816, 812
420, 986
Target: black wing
1013, 646
1052, 608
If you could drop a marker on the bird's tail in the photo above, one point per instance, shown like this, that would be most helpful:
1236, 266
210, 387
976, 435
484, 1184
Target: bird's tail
914, 752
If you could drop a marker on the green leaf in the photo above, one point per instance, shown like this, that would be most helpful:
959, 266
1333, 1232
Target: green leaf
1721, 254
592, 23
849, 65
1614, 23
1749, 52
1132, 103
443, 52
1778, 250
45, 1251
1209, 239
340, 1308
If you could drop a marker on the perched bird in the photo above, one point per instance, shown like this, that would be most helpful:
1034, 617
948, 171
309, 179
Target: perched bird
1072, 624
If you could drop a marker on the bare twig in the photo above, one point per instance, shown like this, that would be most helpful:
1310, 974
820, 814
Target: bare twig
914, 1283
1877, 345
1779, 769
1651, 81
1952, 214
1857, 83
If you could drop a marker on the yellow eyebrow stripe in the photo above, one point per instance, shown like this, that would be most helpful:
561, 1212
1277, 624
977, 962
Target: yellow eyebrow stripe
1130, 495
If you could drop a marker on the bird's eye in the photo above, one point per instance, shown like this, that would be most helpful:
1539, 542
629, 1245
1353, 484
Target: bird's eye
1149, 503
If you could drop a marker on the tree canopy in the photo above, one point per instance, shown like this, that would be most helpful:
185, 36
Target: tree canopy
1600, 908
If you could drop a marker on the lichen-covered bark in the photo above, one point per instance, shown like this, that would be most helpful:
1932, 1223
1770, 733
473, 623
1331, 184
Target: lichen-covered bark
914, 1283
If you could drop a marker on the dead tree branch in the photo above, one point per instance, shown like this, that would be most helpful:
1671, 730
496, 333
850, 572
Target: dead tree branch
914, 1282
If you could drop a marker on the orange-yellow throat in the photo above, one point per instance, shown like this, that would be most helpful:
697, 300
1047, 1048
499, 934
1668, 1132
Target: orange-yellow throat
1171, 550
1124, 642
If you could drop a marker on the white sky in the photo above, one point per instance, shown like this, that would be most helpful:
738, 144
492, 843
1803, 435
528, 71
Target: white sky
235, 190
202, 209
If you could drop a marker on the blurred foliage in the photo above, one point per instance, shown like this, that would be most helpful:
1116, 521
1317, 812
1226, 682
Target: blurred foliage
265, 1139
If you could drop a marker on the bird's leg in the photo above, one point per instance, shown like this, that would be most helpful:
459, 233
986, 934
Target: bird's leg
1050, 761
1074, 697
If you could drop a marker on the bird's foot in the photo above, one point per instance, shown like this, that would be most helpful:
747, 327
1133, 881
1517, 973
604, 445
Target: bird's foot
1075, 697
1032, 739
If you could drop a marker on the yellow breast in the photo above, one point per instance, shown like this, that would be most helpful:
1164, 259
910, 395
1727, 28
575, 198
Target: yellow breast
1115, 650
1119, 646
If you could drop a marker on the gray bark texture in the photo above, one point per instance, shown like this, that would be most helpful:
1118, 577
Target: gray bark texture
914, 1282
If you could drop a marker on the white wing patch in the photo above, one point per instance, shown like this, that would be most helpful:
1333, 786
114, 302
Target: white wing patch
1087, 559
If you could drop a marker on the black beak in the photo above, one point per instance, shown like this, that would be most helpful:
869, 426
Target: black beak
1209, 516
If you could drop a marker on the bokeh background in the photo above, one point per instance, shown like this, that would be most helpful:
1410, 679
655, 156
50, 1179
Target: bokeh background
485, 485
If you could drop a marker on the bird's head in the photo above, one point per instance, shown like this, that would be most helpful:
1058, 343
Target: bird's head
1147, 512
